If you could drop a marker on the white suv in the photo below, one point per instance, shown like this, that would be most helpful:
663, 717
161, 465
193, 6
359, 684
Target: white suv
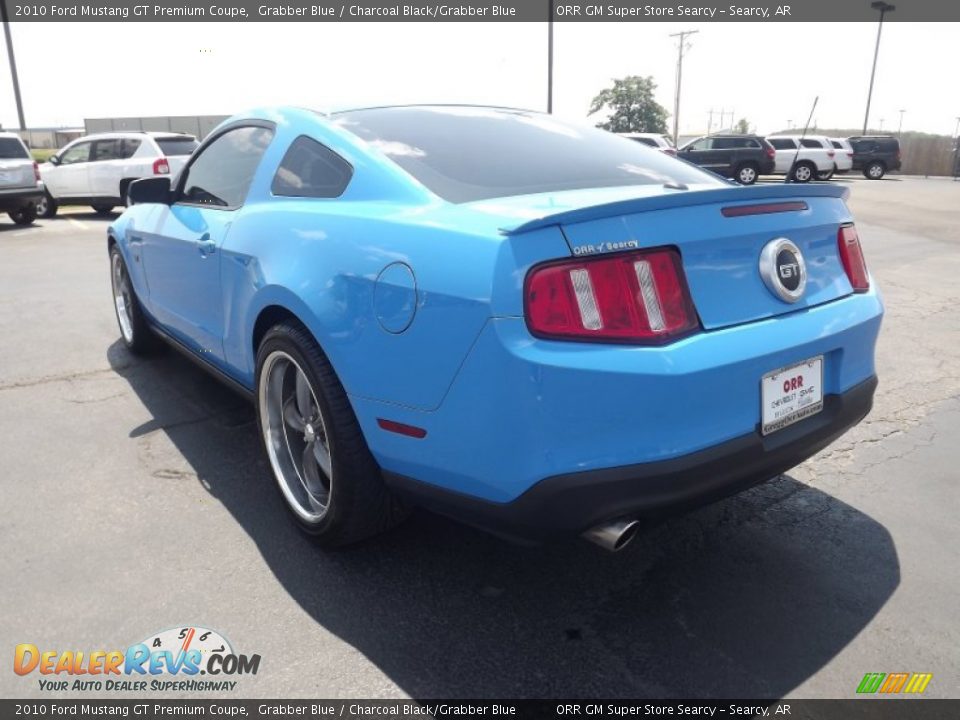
96, 170
20, 186
658, 141
803, 158
844, 155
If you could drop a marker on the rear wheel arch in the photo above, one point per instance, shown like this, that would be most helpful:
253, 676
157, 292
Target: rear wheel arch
267, 318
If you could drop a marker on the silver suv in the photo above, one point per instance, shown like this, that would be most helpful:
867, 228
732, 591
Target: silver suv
20, 186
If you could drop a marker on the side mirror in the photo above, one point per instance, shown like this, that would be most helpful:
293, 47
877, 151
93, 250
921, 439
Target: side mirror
53, 160
150, 190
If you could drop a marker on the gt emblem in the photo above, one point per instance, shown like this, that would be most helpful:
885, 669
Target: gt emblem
783, 269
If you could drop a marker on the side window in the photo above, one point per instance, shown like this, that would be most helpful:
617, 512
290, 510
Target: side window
836, 145
221, 174
309, 169
105, 150
723, 143
128, 146
783, 143
77, 154
810, 143
701, 144
752, 143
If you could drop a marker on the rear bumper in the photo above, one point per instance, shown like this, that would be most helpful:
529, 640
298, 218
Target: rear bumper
571, 503
18, 198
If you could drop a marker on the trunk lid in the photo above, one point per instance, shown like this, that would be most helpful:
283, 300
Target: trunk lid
720, 250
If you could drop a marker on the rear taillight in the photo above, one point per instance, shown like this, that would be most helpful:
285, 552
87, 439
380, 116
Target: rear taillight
637, 297
830, 153
771, 153
851, 255
36, 172
670, 151
161, 167
850, 154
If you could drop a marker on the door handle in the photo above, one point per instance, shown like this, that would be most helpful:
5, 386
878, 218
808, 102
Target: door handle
205, 245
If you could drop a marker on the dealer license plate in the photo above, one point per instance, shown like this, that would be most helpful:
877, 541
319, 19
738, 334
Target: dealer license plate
791, 394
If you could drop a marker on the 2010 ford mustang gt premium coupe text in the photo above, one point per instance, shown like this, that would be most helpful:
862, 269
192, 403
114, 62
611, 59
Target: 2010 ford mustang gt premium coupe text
538, 328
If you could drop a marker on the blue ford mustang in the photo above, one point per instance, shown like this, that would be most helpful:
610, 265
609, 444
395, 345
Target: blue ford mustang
536, 327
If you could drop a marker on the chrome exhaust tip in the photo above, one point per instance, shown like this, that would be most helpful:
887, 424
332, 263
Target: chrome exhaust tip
613, 536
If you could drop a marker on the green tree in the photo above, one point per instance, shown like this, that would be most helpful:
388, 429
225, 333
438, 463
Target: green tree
631, 105
742, 126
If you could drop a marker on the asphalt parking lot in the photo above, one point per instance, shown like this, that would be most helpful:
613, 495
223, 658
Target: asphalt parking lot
135, 499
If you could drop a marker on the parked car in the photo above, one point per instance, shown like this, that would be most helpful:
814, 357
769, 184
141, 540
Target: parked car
20, 186
803, 157
843, 159
97, 169
660, 142
875, 155
536, 327
741, 157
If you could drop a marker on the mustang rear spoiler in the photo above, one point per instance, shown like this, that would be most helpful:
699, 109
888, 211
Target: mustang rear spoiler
681, 198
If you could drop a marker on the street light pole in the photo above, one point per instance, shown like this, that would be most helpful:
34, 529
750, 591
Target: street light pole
549, 60
884, 8
900, 126
13, 64
676, 98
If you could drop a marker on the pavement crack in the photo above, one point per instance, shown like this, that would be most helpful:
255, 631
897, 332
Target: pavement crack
65, 377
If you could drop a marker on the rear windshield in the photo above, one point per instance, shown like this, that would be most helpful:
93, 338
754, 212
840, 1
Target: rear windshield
465, 153
13, 149
177, 146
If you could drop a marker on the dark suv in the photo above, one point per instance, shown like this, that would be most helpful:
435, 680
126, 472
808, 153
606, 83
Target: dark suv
741, 157
875, 155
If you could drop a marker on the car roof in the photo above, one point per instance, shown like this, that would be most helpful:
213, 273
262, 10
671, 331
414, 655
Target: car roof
352, 108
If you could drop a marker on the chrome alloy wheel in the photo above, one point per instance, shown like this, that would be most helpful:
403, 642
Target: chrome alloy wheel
748, 175
295, 436
122, 296
802, 173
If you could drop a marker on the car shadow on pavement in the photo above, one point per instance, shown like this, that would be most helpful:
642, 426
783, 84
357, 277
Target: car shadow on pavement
748, 597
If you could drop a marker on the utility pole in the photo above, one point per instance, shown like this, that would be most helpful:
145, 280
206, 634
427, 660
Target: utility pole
549, 60
681, 46
884, 8
13, 64
956, 150
900, 126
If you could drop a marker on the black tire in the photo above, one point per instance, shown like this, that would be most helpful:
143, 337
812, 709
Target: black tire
747, 173
803, 172
141, 340
875, 170
359, 503
47, 207
25, 215
828, 174
102, 210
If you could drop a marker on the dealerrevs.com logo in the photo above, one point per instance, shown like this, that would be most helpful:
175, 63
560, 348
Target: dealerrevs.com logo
170, 660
